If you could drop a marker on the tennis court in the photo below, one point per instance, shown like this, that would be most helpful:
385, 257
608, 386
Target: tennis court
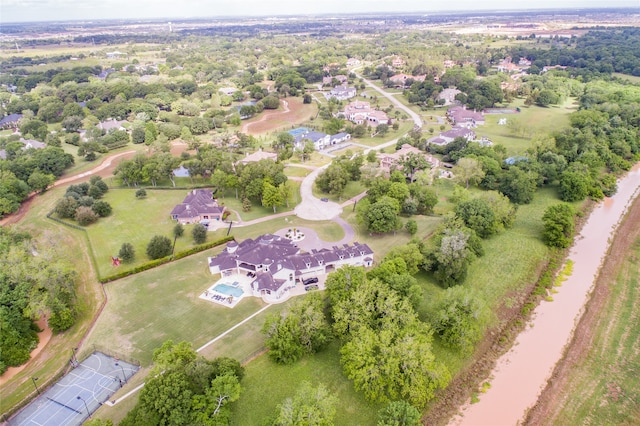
80, 392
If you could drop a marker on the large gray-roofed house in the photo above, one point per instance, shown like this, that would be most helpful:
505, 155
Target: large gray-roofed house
198, 206
10, 120
283, 262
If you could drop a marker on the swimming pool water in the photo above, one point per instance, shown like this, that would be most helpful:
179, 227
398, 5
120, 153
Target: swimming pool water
228, 290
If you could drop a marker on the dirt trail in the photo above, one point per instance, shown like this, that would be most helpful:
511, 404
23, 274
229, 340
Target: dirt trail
105, 169
548, 402
269, 115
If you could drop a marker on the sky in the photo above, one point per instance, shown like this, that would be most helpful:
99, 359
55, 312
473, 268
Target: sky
52, 10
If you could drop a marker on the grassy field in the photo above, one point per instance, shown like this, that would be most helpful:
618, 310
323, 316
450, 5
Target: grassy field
630, 78
603, 388
536, 120
351, 190
151, 307
267, 384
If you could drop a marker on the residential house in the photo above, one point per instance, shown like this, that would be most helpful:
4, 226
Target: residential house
352, 62
31, 143
457, 132
397, 62
328, 81
339, 138
463, 117
449, 95
448, 63
227, 90
111, 125
10, 121
259, 155
389, 161
401, 79
199, 206
276, 264
342, 93
360, 112
320, 140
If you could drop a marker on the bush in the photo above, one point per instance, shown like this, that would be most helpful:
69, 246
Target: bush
141, 193
199, 233
95, 192
66, 207
159, 246
127, 253
85, 216
102, 208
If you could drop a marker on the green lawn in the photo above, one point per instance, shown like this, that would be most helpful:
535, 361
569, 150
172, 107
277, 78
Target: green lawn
536, 120
267, 384
603, 386
151, 307
405, 127
630, 78
135, 221
296, 171
351, 190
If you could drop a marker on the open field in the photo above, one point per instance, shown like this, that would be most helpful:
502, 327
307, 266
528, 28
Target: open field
630, 78
281, 119
534, 120
596, 382
267, 384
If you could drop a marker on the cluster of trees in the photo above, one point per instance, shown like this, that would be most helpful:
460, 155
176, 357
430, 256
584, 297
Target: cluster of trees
83, 202
387, 198
24, 171
386, 348
147, 169
35, 282
343, 169
187, 389
161, 246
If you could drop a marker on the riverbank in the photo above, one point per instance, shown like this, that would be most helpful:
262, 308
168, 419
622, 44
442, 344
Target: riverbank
521, 374
551, 400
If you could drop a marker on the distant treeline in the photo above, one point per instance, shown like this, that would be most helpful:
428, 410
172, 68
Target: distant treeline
596, 53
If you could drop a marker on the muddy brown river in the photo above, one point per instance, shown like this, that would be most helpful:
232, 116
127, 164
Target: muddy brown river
521, 374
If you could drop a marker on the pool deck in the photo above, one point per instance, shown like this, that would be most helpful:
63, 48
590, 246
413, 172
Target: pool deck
244, 283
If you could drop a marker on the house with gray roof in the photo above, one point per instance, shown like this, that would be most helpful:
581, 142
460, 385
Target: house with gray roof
10, 121
342, 93
199, 206
277, 264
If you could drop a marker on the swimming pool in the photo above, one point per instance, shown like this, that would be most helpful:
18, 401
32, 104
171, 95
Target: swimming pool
228, 290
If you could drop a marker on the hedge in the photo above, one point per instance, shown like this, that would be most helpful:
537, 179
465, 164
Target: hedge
157, 262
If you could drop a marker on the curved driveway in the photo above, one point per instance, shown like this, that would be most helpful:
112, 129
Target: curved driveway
312, 208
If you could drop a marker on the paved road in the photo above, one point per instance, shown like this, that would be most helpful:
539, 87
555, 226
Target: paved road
312, 208
415, 117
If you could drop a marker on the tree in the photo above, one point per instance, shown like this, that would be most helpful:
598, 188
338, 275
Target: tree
307, 150
66, 207
399, 413
468, 170
39, 181
85, 216
574, 185
382, 129
411, 226
310, 406
127, 253
478, 216
141, 193
333, 179
412, 162
303, 330
271, 196
453, 255
518, 185
381, 216
102, 208
159, 246
178, 230
559, 225
199, 233
213, 405
459, 319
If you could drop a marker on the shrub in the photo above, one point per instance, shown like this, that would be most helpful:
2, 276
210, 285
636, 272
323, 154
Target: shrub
199, 233
127, 253
85, 216
159, 246
95, 192
141, 193
66, 207
102, 208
